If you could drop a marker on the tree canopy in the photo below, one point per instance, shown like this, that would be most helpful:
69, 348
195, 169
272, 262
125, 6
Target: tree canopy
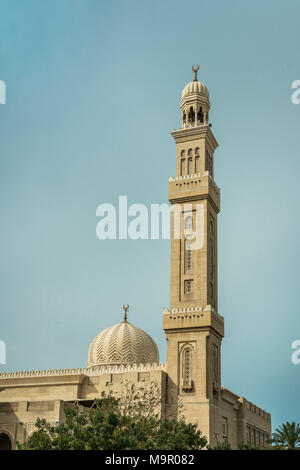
129, 422
287, 436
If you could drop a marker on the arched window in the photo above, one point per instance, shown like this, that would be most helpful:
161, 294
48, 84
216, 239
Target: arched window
5, 442
206, 161
200, 116
215, 363
182, 167
197, 151
187, 364
182, 154
187, 257
187, 369
191, 117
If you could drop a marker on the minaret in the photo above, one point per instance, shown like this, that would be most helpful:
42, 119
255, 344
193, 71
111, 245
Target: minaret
194, 330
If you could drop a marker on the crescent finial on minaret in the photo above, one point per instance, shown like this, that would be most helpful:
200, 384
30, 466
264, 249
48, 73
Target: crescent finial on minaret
195, 69
125, 308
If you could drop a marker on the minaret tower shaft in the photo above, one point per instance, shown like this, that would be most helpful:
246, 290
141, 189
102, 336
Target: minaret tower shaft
193, 328
194, 272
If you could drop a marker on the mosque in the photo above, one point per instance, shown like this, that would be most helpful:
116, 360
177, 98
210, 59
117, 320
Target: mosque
193, 327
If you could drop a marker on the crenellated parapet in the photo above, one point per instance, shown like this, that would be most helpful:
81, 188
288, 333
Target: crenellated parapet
255, 410
194, 187
88, 371
191, 176
191, 317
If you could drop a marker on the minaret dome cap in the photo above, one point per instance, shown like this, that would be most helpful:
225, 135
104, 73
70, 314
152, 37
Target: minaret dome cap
193, 88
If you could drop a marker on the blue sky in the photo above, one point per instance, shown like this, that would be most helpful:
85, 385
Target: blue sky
93, 91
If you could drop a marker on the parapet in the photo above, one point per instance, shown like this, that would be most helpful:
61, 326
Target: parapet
88, 371
193, 317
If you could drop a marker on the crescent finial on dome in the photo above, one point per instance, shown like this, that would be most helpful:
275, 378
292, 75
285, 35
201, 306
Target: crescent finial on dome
195, 69
125, 308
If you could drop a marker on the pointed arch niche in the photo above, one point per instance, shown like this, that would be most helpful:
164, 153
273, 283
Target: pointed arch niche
187, 367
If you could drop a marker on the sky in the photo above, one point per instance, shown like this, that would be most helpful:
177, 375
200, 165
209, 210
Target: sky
93, 92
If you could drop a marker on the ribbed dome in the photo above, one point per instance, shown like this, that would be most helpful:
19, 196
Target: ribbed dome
195, 87
122, 343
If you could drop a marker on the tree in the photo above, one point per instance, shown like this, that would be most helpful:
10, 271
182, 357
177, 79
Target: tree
287, 436
246, 446
220, 446
127, 422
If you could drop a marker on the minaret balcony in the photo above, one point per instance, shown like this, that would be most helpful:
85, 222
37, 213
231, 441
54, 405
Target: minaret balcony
190, 318
194, 187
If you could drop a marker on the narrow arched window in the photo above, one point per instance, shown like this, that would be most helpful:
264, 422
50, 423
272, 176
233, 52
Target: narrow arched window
187, 366
188, 258
206, 161
182, 167
191, 117
200, 116
215, 363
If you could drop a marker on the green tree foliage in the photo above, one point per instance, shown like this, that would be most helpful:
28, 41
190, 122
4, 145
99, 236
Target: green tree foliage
245, 446
287, 436
130, 421
220, 446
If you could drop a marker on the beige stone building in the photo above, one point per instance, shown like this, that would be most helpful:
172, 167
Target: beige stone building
194, 329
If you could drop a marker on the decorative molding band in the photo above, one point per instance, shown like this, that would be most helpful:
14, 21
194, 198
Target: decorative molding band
192, 176
195, 310
88, 371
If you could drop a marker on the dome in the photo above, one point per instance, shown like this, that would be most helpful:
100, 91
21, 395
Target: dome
122, 343
195, 87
